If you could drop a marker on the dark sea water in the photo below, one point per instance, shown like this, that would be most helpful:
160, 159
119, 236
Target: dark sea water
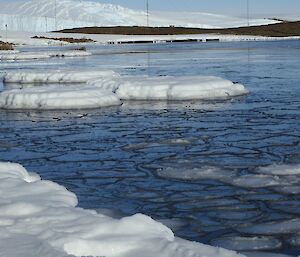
122, 160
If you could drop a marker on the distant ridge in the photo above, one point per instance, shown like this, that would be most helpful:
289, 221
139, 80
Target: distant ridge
39, 16
286, 29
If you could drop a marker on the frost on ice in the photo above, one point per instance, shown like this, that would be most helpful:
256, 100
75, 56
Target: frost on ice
107, 88
40, 218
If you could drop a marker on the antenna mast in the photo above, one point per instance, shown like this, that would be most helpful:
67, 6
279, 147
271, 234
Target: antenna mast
55, 14
248, 14
147, 7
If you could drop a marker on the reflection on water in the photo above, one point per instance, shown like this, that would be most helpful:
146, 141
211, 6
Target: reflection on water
191, 165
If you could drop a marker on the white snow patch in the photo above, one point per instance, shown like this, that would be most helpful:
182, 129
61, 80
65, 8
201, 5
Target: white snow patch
40, 218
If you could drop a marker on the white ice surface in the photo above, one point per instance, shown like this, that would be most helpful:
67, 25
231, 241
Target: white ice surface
247, 243
40, 218
56, 97
107, 88
267, 177
23, 56
178, 88
283, 170
56, 77
25, 38
39, 15
272, 228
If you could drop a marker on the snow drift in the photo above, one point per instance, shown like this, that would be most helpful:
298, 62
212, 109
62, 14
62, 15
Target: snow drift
39, 16
40, 218
107, 88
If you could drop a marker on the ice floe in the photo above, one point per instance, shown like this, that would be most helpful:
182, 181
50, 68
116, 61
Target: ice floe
272, 228
264, 254
23, 56
57, 97
16, 55
40, 218
294, 240
106, 88
178, 88
238, 243
55, 76
73, 53
2, 52
282, 170
288, 184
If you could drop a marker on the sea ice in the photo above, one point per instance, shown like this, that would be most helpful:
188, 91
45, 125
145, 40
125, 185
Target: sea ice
238, 243
272, 228
40, 218
23, 56
280, 170
57, 97
204, 172
178, 88
73, 53
56, 76
107, 88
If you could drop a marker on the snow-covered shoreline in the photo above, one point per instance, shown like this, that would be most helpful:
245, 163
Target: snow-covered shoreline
41, 218
25, 38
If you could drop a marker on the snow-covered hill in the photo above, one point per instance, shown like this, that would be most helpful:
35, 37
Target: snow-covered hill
49, 15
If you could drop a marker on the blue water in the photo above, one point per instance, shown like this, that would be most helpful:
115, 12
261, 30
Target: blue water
110, 157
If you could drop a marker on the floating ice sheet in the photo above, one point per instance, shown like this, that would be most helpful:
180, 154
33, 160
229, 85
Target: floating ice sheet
56, 76
23, 56
178, 88
247, 243
56, 97
106, 88
283, 170
272, 228
40, 218
288, 184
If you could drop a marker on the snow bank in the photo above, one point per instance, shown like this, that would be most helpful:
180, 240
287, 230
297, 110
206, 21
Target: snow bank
40, 218
107, 88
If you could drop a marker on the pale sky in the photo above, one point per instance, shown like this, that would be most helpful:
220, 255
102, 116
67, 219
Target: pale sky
236, 7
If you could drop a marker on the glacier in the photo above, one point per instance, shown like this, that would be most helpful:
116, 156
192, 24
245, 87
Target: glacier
44, 15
